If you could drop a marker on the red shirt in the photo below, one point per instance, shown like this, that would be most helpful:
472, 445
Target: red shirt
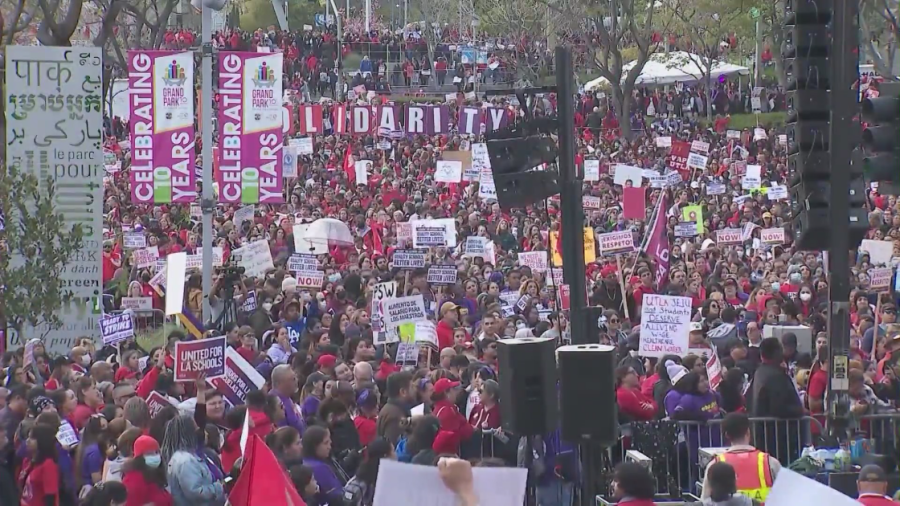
444, 335
81, 415
635, 404
876, 500
141, 491
367, 428
39, 482
485, 418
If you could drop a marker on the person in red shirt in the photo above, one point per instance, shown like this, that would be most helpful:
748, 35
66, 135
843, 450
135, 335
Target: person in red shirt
144, 476
454, 427
39, 479
445, 327
632, 403
366, 421
486, 414
872, 485
130, 366
90, 401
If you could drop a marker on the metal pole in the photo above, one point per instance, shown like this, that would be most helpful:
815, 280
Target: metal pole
368, 14
757, 57
405, 15
572, 226
327, 13
340, 47
844, 71
207, 203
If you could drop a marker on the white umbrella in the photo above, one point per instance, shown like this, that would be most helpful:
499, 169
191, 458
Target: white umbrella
329, 231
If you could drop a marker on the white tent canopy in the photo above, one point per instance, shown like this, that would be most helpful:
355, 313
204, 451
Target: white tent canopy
674, 67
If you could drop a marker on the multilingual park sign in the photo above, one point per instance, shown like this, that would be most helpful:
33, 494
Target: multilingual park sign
54, 125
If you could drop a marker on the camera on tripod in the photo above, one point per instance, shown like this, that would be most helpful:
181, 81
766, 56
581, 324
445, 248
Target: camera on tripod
231, 275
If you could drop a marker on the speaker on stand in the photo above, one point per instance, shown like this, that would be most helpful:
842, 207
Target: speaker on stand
588, 410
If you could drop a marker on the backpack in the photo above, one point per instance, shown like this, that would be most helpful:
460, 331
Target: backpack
358, 493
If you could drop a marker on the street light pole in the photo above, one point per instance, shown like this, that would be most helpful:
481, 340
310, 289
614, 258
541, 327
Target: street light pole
207, 204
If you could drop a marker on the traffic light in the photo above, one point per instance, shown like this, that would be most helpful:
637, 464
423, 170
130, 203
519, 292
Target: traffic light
807, 43
515, 153
880, 160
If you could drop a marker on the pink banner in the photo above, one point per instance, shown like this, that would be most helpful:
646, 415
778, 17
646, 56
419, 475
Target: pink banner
657, 246
161, 101
250, 128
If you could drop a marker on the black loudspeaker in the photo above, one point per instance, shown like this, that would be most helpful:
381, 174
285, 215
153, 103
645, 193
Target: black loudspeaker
587, 393
529, 400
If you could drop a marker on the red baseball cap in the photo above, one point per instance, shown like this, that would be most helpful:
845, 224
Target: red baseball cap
444, 384
326, 361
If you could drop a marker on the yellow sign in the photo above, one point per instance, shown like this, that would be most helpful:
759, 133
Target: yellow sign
590, 249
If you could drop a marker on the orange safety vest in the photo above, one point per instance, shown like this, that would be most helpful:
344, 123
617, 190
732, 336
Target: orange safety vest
751, 468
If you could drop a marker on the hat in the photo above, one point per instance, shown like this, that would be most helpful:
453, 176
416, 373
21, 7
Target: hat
288, 283
144, 445
448, 306
326, 361
696, 327
767, 214
872, 474
676, 371
609, 270
443, 385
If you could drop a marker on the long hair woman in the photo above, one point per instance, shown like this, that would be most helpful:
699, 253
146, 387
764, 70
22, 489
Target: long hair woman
144, 475
317, 455
360, 490
111, 493
39, 479
90, 455
189, 478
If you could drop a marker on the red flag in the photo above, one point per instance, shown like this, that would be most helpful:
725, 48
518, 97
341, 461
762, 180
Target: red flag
657, 245
262, 480
373, 237
350, 166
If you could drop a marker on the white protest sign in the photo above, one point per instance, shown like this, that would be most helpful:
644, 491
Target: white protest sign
426, 333
696, 161
665, 324
616, 243
310, 279
686, 229
880, 252
403, 309
592, 170
243, 214
442, 274
289, 157
434, 233
664, 142
777, 192
362, 169
146, 257
752, 178
733, 134
628, 173
535, 260
299, 262
304, 146
409, 259
589, 202
135, 240
448, 171
380, 293
255, 258
137, 303
476, 246
771, 236
759, 134
482, 162
700, 147
729, 236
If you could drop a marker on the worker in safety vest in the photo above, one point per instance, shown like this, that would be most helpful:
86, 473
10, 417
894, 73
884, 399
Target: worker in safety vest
755, 470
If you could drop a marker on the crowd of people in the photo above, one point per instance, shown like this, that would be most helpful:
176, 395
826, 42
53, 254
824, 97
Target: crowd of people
337, 400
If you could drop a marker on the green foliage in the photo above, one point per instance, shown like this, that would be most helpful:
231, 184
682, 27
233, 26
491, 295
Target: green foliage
260, 14
34, 248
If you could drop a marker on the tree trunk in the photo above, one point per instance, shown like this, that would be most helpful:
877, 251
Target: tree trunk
622, 103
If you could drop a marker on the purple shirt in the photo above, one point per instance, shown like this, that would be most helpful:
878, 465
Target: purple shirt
91, 462
290, 415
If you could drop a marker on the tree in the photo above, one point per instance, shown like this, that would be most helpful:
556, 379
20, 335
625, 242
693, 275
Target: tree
35, 247
58, 32
772, 19
705, 26
880, 34
261, 14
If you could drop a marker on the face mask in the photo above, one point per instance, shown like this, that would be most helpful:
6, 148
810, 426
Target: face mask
267, 306
334, 278
805, 297
776, 287
795, 278
152, 461
86, 359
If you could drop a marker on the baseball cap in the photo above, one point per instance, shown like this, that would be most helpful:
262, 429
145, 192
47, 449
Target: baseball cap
767, 214
144, 445
448, 306
326, 361
872, 474
444, 384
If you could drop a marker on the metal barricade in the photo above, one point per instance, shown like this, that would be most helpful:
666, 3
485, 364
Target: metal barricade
882, 429
149, 326
676, 448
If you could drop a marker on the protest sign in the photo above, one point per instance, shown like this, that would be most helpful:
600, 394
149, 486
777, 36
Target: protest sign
434, 233
116, 328
310, 279
696, 161
240, 378
146, 257
380, 292
715, 189
476, 246
665, 324
403, 309
407, 354
303, 263
664, 142
700, 147
880, 278
250, 303
728, 236
66, 435
137, 303
134, 240
686, 229
616, 243
589, 202
771, 236
156, 402
442, 274
243, 214
204, 356
448, 171
195, 261
409, 259
777, 192
255, 258
714, 371
565, 297
592, 170
535, 260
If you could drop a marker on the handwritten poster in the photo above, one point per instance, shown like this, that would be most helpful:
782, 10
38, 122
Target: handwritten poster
50, 140
665, 324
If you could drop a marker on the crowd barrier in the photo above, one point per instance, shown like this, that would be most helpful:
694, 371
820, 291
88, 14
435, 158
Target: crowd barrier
147, 322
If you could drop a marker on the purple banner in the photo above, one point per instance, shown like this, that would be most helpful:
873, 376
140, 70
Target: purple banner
251, 137
240, 378
161, 102
116, 328
495, 119
657, 246
470, 120
204, 356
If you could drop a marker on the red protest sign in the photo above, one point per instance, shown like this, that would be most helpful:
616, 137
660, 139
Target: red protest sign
565, 299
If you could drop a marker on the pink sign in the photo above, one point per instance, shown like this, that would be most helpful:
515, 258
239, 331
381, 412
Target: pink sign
250, 128
161, 101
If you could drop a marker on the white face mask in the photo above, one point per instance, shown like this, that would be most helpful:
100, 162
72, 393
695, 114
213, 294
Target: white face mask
805, 297
86, 359
267, 306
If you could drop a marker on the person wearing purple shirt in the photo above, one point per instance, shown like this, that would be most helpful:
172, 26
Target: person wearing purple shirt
317, 455
284, 386
312, 394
